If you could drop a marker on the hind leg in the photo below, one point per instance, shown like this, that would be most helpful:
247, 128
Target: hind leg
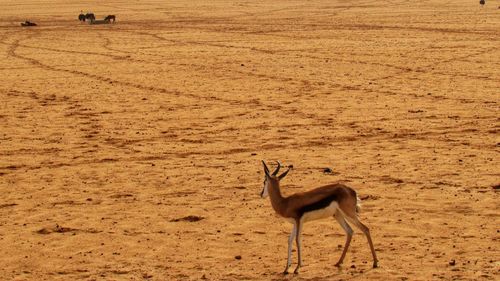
353, 219
348, 230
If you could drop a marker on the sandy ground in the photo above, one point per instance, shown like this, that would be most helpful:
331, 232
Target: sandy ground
131, 151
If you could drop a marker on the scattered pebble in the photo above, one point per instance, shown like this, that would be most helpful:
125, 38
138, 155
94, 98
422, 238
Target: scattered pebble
188, 219
452, 262
238, 257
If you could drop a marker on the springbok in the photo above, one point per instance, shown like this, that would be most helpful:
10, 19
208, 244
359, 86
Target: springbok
335, 200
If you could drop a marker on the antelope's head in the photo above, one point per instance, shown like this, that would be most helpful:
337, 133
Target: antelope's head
271, 179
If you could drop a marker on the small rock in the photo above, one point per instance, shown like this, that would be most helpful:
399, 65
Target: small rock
188, 219
327, 171
353, 266
452, 262
238, 257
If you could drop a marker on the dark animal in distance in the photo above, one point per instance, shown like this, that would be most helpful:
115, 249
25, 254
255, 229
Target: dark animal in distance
81, 17
110, 17
28, 23
90, 16
482, 2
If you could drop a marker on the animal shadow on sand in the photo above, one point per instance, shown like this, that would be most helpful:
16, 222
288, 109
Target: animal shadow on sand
354, 275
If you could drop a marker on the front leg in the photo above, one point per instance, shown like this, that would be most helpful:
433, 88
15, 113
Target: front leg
298, 230
290, 242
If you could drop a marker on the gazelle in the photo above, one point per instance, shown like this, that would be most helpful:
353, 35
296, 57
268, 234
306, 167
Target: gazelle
335, 200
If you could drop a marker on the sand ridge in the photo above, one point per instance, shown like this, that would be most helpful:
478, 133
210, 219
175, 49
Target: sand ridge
131, 151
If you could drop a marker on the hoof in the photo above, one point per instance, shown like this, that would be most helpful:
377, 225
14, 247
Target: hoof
296, 271
338, 264
285, 272
375, 265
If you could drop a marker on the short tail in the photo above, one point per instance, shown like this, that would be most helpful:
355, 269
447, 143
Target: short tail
358, 204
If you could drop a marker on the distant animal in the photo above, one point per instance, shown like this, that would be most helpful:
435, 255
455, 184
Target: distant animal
81, 17
482, 2
28, 23
110, 17
90, 17
336, 201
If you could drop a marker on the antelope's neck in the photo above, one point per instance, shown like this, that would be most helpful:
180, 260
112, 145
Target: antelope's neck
277, 200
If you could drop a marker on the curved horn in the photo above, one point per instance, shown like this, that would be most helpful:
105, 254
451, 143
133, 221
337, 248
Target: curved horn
266, 169
277, 168
284, 174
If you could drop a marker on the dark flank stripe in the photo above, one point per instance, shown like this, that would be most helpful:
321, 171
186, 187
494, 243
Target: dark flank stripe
318, 204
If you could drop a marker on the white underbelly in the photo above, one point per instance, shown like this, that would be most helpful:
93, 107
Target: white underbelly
326, 212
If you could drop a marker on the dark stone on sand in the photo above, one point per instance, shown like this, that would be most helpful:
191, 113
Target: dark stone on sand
188, 219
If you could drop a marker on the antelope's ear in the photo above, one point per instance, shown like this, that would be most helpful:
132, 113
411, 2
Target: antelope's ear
266, 170
280, 177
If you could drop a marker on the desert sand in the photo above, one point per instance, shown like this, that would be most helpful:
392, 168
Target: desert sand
132, 151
